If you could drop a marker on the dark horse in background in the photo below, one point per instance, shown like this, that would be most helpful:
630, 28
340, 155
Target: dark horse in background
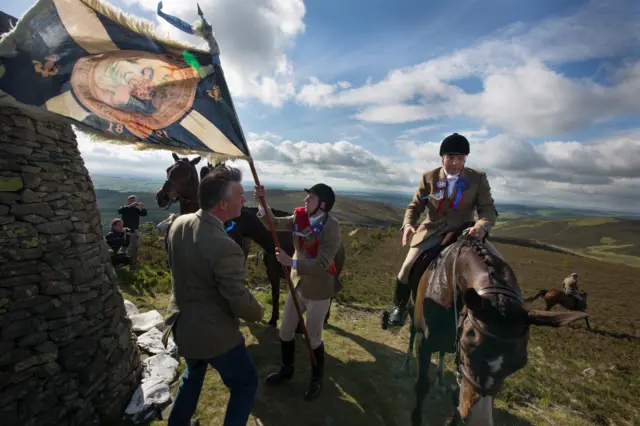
468, 302
558, 297
182, 185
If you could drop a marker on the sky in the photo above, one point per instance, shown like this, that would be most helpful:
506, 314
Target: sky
359, 94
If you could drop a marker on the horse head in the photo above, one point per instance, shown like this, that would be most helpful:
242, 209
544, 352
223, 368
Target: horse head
181, 182
493, 330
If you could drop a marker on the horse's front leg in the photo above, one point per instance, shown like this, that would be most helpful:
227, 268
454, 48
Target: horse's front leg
440, 386
273, 273
412, 337
422, 379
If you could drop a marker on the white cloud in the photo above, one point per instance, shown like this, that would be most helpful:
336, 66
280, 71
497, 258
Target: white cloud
417, 130
265, 135
600, 174
394, 114
533, 100
253, 36
316, 93
594, 174
522, 92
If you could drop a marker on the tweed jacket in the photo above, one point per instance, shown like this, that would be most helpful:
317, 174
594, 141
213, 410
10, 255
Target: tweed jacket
311, 275
475, 199
208, 297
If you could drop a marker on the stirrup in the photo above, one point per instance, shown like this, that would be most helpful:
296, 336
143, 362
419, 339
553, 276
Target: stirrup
398, 316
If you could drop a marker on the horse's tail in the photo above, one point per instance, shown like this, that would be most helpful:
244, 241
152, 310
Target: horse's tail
536, 296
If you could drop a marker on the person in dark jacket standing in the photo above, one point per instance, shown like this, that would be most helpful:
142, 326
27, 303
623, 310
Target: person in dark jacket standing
131, 218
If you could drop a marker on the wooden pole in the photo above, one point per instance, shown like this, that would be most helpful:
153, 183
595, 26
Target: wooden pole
286, 270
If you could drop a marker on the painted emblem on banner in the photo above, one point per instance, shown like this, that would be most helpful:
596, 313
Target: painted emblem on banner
139, 90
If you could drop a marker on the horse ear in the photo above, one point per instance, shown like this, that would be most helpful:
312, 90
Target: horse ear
553, 319
203, 172
175, 156
472, 299
195, 160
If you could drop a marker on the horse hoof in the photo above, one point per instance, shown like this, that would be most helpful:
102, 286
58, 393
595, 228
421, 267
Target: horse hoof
416, 418
385, 320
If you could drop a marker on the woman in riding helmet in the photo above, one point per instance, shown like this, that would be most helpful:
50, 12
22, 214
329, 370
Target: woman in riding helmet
317, 239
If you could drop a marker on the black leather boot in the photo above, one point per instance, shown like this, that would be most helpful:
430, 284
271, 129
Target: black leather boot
288, 350
399, 312
317, 373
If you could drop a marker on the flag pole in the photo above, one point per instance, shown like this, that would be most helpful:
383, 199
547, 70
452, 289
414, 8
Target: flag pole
286, 270
205, 31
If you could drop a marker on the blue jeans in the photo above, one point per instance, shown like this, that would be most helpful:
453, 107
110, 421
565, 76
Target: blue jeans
237, 372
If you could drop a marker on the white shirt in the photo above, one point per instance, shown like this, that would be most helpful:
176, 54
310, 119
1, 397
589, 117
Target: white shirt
451, 182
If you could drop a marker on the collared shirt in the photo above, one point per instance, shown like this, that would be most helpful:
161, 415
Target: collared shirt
451, 182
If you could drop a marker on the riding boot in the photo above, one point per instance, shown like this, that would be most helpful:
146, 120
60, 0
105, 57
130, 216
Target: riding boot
288, 350
317, 372
399, 312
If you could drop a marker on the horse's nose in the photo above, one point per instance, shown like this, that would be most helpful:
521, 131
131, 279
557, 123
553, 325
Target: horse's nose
162, 199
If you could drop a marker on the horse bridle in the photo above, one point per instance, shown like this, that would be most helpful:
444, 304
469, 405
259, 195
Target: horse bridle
178, 197
493, 289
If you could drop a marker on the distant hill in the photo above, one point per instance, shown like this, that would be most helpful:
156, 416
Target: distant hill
608, 238
589, 232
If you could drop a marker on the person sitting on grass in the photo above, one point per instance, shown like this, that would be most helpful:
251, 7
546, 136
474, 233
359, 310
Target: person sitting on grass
117, 240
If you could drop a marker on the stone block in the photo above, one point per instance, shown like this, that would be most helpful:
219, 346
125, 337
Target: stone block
10, 184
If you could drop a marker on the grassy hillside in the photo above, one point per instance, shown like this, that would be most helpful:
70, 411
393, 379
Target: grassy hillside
573, 377
602, 237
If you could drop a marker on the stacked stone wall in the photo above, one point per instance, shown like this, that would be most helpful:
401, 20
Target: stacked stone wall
68, 355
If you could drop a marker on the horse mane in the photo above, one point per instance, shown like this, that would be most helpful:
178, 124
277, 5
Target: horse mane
500, 273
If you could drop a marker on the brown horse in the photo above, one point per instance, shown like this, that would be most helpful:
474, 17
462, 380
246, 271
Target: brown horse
468, 302
555, 297
181, 185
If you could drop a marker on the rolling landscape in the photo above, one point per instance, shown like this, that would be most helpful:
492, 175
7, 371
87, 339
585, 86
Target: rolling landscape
574, 376
609, 236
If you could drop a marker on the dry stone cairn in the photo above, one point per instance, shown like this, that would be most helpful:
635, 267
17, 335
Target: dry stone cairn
68, 354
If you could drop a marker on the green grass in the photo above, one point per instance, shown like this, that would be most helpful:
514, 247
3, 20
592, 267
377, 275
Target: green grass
362, 384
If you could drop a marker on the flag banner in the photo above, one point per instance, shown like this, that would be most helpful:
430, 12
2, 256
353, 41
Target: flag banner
110, 75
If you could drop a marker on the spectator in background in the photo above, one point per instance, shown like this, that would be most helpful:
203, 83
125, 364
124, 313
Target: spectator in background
117, 240
131, 218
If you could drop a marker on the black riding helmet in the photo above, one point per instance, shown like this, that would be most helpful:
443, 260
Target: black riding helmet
324, 193
454, 144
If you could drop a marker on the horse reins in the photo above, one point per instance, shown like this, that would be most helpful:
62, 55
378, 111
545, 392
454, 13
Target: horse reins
459, 322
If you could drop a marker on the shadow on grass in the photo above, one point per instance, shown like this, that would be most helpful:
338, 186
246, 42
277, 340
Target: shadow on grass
359, 388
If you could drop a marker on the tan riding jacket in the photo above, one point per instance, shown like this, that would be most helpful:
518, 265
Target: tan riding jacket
570, 285
311, 275
208, 297
477, 197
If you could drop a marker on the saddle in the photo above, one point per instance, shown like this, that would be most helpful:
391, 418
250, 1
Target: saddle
433, 258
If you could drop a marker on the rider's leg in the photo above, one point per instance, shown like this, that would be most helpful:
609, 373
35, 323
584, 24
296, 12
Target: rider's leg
402, 291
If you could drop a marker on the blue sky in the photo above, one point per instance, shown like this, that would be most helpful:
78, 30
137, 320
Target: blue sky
359, 94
